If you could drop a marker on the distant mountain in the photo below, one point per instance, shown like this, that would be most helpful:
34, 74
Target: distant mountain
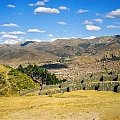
38, 52
73, 47
15, 55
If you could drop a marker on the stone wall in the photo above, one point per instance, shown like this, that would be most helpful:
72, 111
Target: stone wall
68, 87
100, 86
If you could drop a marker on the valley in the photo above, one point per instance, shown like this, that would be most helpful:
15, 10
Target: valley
90, 68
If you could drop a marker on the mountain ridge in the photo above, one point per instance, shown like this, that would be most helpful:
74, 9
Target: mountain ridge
52, 51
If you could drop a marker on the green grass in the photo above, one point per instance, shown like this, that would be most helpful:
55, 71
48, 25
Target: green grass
13, 81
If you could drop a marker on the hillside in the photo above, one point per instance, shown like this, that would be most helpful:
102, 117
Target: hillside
51, 51
13, 81
83, 55
15, 55
75, 47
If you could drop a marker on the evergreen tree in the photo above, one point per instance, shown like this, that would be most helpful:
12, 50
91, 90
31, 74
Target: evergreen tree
40, 75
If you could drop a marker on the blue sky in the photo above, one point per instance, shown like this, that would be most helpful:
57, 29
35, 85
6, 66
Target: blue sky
47, 20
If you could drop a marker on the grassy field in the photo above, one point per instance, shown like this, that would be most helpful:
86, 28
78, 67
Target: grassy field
76, 105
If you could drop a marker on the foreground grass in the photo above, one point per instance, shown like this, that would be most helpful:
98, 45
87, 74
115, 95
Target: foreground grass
76, 105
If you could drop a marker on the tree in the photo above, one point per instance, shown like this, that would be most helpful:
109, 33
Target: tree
40, 75
20, 68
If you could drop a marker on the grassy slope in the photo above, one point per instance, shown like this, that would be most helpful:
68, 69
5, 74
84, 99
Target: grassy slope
77, 105
11, 81
4, 69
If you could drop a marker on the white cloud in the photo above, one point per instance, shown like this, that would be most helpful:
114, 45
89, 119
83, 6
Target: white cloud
82, 11
11, 37
90, 22
11, 41
46, 10
93, 27
31, 4
11, 6
113, 26
98, 20
50, 35
87, 22
114, 14
8, 36
38, 3
73, 37
91, 37
13, 33
10, 25
63, 8
62, 23
35, 31
17, 33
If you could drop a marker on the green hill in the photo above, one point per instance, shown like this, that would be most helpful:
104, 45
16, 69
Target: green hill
13, 81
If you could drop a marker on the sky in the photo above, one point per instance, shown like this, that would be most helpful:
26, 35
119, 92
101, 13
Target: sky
48, 20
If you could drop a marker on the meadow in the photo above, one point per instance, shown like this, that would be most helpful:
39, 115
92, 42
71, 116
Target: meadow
75, 105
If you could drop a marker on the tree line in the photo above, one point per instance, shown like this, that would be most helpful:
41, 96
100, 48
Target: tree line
40, 75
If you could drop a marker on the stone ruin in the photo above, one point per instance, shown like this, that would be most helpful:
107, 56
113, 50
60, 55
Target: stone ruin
101, 84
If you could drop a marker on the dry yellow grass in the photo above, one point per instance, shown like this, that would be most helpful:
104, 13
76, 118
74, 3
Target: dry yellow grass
76, 105
4, 69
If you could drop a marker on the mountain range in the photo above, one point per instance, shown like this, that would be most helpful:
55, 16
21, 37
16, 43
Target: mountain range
105, 47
